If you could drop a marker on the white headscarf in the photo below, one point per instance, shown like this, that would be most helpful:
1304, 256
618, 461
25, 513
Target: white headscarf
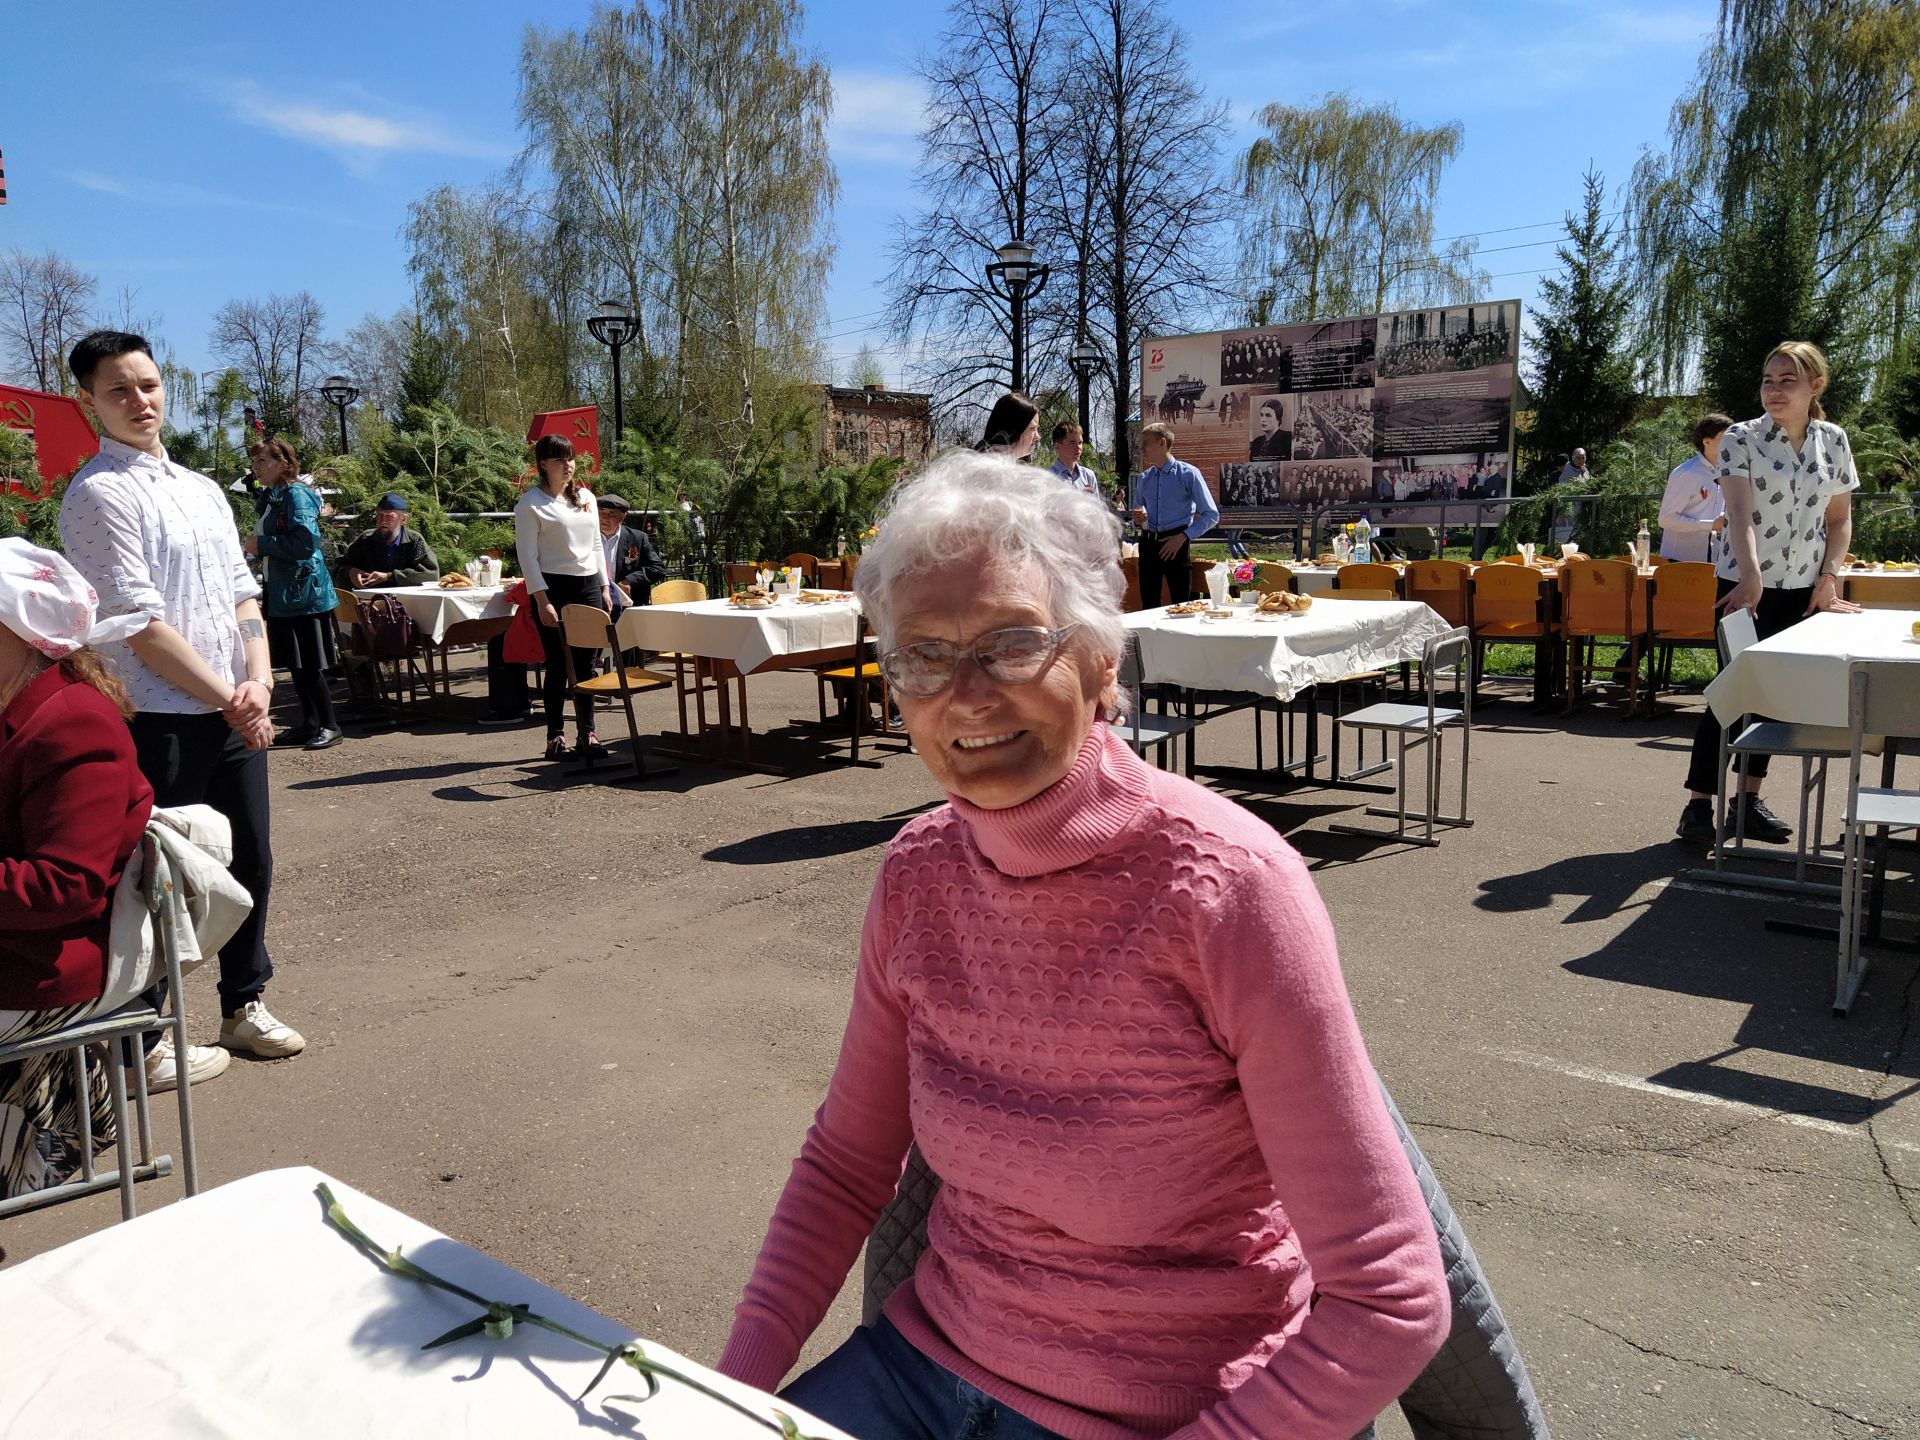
47, 603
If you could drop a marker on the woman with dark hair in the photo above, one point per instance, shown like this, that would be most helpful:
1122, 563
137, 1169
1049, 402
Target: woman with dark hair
299, 593
1274, 442
1013, 427
556, 532
73, 804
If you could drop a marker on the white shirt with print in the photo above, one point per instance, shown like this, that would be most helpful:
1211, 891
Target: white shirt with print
1790, 494
156, 538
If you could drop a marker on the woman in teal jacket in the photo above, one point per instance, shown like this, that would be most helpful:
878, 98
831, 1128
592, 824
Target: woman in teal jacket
299, 595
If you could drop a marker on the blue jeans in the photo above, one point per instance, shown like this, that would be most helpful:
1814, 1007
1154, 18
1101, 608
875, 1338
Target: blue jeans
878, 1387
1236, 547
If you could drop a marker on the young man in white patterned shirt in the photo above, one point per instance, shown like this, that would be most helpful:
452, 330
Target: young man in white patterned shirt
157, 538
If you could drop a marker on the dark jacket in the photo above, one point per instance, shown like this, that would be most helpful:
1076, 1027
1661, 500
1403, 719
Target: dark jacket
73, 804
637, 565
413, 561
297, 582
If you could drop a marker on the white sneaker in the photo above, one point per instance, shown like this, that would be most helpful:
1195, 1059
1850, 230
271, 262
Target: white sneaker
163, 1065
258, 1033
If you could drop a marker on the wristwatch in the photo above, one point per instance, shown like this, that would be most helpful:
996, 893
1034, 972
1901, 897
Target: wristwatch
266, 684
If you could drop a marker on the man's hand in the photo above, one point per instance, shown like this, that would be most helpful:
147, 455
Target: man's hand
250, 544
1743, 596
258, 735
357, 579
249, 705
1719, 523
626, 595
379, 577
1170, 546
1826, 596
1140, 516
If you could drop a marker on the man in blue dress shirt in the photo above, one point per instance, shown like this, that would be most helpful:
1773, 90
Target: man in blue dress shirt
1067, 442
1173, 507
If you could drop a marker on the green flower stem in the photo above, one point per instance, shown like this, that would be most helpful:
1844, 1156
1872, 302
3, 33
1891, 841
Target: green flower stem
500, 1318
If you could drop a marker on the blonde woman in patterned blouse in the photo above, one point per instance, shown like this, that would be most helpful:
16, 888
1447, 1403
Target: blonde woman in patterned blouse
1788, 480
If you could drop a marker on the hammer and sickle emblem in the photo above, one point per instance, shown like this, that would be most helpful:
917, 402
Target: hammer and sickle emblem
19, 414
580, 426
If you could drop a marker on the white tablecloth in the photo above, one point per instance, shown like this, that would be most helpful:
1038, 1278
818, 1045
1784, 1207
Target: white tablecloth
1282, 657
242, 1313
720, 630
435, 611
1313, 579
1800, 675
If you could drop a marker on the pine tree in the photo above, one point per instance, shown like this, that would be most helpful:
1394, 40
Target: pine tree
1581, 370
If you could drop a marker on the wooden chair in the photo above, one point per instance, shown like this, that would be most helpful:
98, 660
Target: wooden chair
1199, 569
741, 575
588, 627
1130, 572
1443, 585
1509, 606
1682, 612
1271, 575
855, 676
833, 575
1368, 577
682, 592
1884, 592
461, 635
1349, 592
809, 564
1601, 600
406, 674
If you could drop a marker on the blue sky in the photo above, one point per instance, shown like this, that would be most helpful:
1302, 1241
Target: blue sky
201, 152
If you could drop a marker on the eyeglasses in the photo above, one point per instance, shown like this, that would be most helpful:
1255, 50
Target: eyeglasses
1018, 655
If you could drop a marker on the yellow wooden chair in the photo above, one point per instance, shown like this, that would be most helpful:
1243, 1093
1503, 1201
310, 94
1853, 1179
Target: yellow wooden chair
587, 627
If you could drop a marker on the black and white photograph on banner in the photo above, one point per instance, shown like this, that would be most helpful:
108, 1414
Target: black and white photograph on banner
1447, 340
1252, 484
1441, 414
1331, 355
1332, 424
1254, 357
1471, 476
1329, 482
1270, 432
1233, 406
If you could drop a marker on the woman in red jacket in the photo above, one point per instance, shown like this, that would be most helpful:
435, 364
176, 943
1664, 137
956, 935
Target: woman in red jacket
73, 805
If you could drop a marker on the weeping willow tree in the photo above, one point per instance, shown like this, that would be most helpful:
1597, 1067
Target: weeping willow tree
1338, 214
1786, 205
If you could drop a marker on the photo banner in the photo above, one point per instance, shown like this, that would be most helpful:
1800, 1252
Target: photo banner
1413, 405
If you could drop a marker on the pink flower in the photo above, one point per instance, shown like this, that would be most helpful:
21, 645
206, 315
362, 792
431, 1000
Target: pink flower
44, 574
1243, 573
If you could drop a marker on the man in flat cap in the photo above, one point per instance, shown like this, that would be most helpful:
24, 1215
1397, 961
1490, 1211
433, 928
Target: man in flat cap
633, 564
392, 553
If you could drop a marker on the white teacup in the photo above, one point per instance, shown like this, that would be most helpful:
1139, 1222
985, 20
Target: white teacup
1569, 550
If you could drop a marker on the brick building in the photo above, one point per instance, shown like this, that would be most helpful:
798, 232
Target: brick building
861, 423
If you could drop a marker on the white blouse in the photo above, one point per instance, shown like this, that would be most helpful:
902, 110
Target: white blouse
1791, 489
553, 537
1688, 509
155, 537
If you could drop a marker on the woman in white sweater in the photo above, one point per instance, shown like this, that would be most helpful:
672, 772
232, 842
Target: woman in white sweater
556, 531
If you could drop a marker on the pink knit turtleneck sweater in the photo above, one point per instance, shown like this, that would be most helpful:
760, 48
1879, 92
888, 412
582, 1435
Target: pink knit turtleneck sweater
1114, 1020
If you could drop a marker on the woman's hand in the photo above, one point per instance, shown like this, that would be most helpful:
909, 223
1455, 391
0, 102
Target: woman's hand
1826, 596
549, 616
1719, 523
1744, 596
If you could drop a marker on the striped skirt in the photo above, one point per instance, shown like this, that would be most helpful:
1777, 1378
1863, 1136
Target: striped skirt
41, 1125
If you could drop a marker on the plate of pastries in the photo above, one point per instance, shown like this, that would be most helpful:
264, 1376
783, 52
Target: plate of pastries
454, 580
1284, 602
822, 597
752, 598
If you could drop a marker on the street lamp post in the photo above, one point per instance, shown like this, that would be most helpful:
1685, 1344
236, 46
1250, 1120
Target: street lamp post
1015, 278
613, 325
340, 392
1083, 361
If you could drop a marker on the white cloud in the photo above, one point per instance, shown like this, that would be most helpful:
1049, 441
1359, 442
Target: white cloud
198, 197
357, 133
876, 118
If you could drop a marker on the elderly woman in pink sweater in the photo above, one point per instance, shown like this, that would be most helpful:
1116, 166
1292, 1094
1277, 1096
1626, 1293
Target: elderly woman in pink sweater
1107, 1005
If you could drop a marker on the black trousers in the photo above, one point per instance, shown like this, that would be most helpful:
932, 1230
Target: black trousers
562, 591
1178, 572
506, 683
1777, 610
199, 760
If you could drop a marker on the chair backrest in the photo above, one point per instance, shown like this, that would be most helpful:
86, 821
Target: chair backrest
1508, 596
1200, 569
585, 626
809, 564
1271, 575
1736, 634
1368, 577
1884, 592
740, 574
1130, 572
1441, 584
1446, 652
1883, 698
1359, 592
1515, 559
677, 592
832, 575
1603, 597
347, 608
1684, 594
